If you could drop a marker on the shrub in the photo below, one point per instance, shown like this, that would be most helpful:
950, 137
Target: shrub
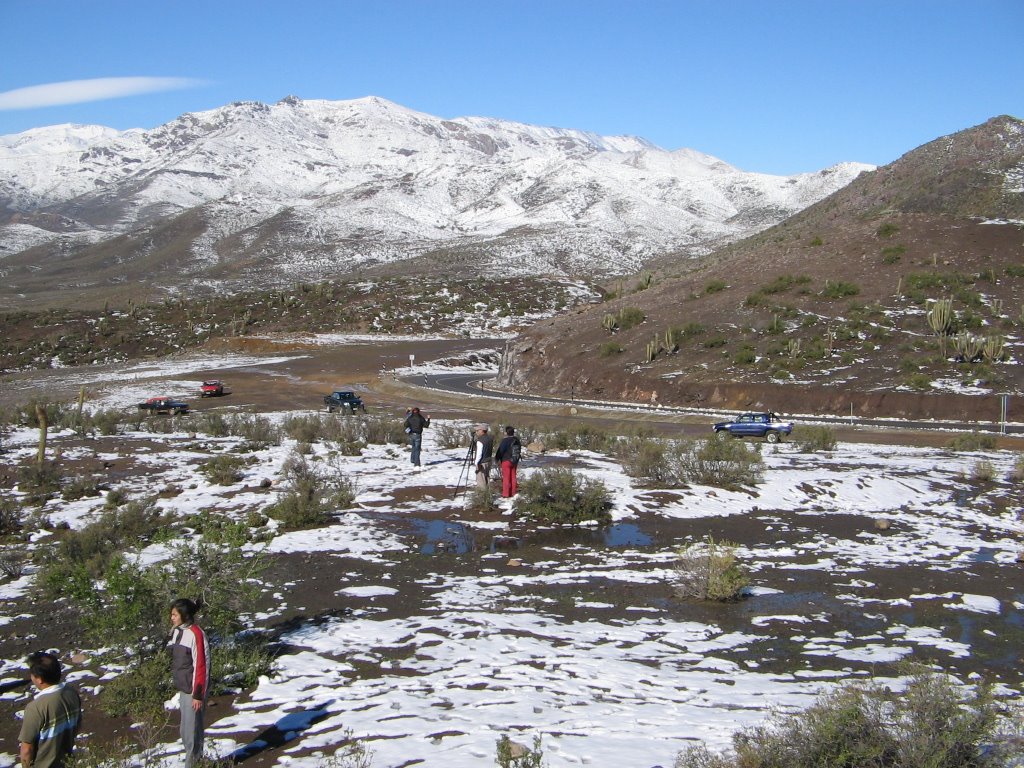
630, 316
240, 664
747, 355
560, 496
223, 470
580, 437
259, 431
654, 462
309, 498
838, 289
816, 438
106, 421
931, 724
512, 755
1017, 473
140, 691
481, 500
983, 471
13, 561
80, 487
887, 230
39, 482
213, 424
610, 349
973, 441
922, 382
723, 463
715, 286
10, 516
451, 435
717, 341
892, 254
708, 571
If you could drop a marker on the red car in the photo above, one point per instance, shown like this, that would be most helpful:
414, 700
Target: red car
212, 388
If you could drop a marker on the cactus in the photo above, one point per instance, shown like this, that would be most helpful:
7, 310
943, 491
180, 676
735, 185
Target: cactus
793, 348
652, 350
41, 418
968, 346
671, 342
993, 348
940, 320
610, 323
997, 307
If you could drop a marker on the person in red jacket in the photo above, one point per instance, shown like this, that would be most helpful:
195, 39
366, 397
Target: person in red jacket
190, 668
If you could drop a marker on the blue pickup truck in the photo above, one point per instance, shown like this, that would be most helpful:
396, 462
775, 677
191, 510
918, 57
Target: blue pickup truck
766, 425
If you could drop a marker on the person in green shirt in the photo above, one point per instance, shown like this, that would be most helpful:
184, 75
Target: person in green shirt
52, 719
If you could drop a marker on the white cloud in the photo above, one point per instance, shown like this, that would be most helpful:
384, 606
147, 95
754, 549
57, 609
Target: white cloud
96, 89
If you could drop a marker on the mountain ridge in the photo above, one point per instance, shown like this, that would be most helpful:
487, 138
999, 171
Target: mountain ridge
304, 190
827, 311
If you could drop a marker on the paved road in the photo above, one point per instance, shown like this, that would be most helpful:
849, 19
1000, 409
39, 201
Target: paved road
476, 385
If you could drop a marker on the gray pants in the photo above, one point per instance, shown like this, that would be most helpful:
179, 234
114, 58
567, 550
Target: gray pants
483, 477
191, 729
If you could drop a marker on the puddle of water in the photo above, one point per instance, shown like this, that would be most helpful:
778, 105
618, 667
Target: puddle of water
984, 555
443, 536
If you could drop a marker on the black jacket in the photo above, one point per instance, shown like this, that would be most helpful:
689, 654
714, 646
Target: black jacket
416, 422
504, 452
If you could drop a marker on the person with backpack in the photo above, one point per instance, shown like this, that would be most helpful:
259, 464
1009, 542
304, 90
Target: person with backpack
510, 450
482, 448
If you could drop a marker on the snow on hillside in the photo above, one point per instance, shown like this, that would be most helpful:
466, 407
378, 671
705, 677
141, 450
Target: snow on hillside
371, 180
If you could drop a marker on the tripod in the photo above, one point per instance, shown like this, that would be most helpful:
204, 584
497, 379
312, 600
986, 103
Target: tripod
466, 462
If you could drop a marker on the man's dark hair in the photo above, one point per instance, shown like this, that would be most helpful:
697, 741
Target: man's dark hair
510, 430
45, 666
186, 608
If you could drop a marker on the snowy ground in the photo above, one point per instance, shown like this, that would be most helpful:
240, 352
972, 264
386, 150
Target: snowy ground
577, 636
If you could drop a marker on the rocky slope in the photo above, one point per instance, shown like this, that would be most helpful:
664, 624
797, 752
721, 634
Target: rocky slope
256, 195
828, 310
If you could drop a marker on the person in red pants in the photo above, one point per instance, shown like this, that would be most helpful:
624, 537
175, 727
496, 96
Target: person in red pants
507, 456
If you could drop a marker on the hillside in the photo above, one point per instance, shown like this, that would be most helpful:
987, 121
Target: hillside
266, 196
827, 311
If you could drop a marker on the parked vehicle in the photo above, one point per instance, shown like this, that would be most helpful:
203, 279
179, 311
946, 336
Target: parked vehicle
164, 405
765, 425
212, 388
345, 401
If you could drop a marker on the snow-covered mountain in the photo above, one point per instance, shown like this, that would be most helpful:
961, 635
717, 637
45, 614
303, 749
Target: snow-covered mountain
303, 190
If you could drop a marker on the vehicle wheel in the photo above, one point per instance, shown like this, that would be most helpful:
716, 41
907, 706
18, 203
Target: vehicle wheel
773, 437
722, 434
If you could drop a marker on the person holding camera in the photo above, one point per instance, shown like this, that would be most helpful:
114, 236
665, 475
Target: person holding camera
483, 448
415, 423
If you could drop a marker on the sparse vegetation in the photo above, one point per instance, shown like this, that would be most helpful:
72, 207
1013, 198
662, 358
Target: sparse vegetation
709, 570
812, 438
513, 755
974, 441
932, 724
559, 496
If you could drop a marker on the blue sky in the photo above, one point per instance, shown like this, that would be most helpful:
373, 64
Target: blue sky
771, 86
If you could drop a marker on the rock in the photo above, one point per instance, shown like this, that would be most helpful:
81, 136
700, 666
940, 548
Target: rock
266, 482
882, 523
79, 658
516, 750
536, 447
515, 562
